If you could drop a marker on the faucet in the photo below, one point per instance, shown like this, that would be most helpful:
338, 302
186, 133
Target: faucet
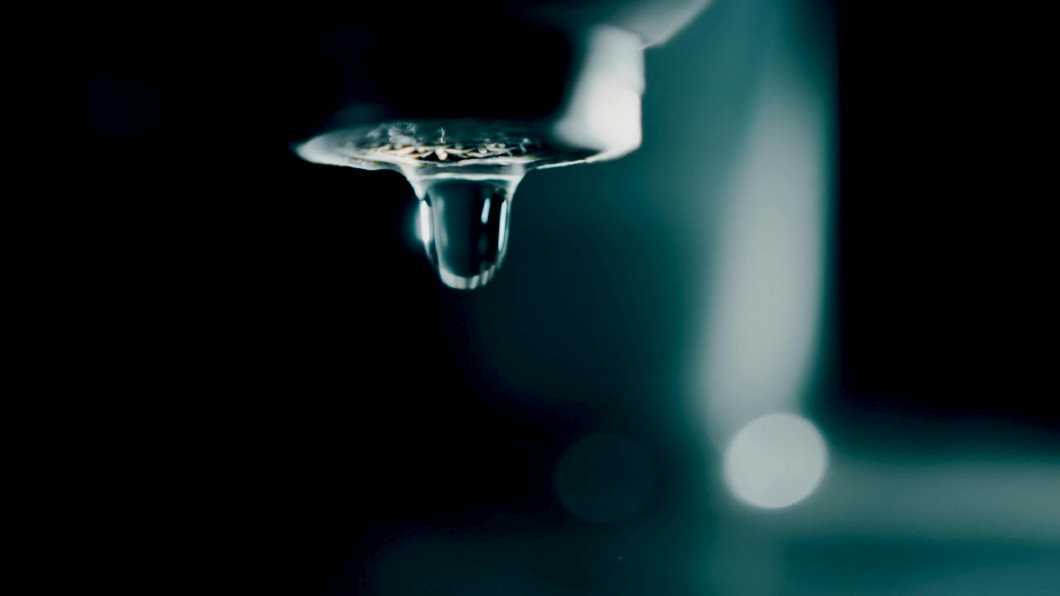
465, 100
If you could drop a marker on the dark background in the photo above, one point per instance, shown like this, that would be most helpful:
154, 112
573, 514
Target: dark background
261, 356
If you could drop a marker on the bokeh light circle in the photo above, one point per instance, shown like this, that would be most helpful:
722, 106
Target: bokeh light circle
775, 461
604, 479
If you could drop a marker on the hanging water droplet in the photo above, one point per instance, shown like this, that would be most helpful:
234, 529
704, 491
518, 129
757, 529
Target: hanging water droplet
464, 173
464, 227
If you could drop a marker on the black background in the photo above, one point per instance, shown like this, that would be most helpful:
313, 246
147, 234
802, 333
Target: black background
228, 323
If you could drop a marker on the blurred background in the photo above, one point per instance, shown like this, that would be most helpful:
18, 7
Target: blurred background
783, 348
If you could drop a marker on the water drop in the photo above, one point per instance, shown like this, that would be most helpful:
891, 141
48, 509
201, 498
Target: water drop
464, 226
464, 173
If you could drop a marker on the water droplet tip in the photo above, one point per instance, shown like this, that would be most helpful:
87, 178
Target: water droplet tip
459, 282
